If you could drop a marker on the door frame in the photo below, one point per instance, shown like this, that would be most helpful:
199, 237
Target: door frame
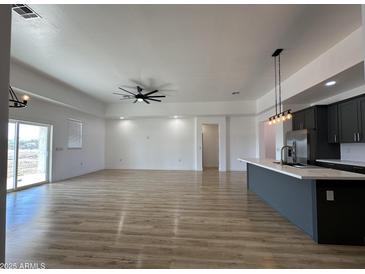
49, 153
222, 132
215, 124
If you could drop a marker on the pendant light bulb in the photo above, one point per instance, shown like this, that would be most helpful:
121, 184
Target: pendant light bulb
274, 121
25, 97
270, 122
283, 118
289, 116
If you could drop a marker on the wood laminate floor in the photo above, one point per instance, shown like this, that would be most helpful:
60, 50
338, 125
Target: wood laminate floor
160, 219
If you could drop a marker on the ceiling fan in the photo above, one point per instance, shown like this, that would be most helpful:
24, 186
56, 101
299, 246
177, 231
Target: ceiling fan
140, 96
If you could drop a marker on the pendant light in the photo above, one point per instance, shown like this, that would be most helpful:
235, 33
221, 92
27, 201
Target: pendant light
280, 115
14, 102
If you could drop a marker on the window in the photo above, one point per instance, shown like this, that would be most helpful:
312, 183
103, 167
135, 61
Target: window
28, 154
74, 134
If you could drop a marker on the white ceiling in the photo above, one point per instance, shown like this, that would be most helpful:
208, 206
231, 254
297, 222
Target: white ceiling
198, 52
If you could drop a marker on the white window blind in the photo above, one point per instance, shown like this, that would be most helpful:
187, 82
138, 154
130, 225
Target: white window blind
74, 134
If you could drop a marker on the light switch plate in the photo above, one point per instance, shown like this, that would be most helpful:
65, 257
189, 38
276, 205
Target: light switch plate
330, 195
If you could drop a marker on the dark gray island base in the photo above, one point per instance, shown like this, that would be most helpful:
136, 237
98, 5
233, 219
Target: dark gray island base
330, 211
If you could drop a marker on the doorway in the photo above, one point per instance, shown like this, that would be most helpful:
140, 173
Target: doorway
28, 154
210, 144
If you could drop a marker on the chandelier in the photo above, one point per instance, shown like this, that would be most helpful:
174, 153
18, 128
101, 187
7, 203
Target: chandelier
280, 114
14, 101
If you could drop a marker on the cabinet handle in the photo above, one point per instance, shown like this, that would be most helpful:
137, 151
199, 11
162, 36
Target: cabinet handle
355, 137
335, 138
358, 136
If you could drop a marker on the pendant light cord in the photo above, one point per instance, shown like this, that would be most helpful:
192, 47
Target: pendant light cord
276, 92
280, 104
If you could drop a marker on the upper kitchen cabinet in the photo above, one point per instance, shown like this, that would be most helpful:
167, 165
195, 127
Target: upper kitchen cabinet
305, 119
310, 118
349, 113
333, 128
315, 120
298, 120
361, 116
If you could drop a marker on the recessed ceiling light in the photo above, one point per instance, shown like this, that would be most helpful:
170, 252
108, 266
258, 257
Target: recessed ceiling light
235, 92
122, 118
175, 116
330, 83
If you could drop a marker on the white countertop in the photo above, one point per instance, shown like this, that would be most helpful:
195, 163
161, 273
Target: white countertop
342, 162
315, 173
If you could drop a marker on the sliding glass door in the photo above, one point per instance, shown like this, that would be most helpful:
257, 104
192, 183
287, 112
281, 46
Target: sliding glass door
28, 154
10, 183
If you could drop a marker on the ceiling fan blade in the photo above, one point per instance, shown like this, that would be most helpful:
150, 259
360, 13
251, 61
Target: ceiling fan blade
127, 91
117, 93
157, 96
146, 101
151, 92
126, 98
135, 101
154, 100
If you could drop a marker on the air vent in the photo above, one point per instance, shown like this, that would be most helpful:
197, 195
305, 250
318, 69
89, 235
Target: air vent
25, 11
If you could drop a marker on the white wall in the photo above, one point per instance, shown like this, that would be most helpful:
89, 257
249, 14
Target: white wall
242, 139
26, 79
269, 141
353, 152
190, 109
68, 163
5, 33
171, 144
150, 143
210, 145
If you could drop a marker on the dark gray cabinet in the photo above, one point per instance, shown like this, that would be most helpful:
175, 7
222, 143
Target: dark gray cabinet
305, 119
310, 121
314, 119
362, 119
332, 117
349, 113
299, 120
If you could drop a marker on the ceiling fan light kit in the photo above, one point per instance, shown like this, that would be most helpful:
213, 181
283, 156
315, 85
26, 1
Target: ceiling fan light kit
140, 96
280, 114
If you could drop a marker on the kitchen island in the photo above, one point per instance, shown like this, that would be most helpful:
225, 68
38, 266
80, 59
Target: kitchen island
327, 204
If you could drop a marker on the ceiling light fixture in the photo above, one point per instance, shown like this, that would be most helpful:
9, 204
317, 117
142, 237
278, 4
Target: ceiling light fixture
330, 83
280, 114
175, 116
14, 102
122, 118
141, 95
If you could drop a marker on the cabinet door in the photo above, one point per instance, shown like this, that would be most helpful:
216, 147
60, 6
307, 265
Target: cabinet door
332, 117
362, 119
299, 120
310, 118
348, 121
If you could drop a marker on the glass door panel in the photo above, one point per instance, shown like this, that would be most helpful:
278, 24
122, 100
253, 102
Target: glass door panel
32, 154
10, 182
